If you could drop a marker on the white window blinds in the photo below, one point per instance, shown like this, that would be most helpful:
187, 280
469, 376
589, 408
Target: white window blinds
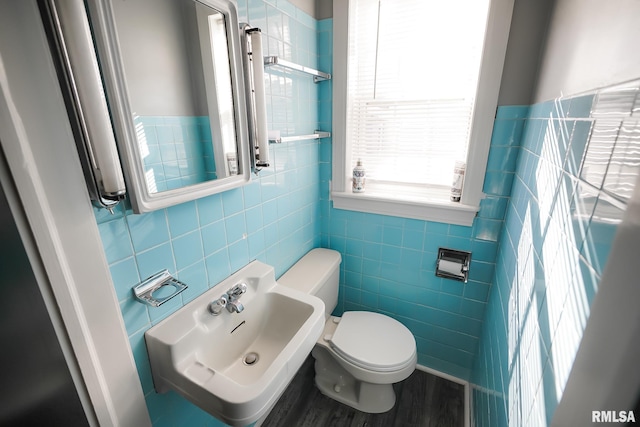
413, 72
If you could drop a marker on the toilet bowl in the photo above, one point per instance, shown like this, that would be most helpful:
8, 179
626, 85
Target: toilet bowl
360, 355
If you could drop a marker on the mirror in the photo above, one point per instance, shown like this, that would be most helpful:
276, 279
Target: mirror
173, 76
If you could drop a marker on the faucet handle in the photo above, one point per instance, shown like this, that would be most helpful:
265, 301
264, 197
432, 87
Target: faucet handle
216, 306
236, 291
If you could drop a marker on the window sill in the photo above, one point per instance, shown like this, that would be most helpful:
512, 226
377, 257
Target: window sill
433, 205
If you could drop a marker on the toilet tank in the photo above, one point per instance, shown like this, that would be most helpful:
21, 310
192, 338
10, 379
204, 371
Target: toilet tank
317, 273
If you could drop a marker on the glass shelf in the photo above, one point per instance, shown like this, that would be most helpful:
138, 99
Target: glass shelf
277, 139
318, 76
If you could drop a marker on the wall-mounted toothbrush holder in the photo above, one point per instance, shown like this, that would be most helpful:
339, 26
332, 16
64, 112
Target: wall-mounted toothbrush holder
453, 264
158, 289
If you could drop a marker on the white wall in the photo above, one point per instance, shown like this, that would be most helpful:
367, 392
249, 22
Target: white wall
527, 35
318, 9
154, 38
324, 9
591, 44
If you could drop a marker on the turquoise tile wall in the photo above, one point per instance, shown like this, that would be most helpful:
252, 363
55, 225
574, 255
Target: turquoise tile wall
176, 150
389, 262
561, 220
389, 267
275, 219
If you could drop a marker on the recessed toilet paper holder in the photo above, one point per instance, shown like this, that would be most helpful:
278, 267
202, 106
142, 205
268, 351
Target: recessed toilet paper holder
453, 264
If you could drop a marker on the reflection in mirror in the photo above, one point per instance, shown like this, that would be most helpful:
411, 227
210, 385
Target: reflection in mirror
176, 63
173, 77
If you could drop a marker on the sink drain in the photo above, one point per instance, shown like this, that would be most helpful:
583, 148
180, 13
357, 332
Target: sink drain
251, 359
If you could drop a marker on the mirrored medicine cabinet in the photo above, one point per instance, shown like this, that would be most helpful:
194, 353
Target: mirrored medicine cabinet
172, 71
173, 75
176, 85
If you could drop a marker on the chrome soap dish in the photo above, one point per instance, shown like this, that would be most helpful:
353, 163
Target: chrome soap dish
156, 290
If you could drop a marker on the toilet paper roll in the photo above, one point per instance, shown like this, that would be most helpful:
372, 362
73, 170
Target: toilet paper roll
450, 267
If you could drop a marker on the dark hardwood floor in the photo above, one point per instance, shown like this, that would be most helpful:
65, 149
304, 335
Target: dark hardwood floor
422, 400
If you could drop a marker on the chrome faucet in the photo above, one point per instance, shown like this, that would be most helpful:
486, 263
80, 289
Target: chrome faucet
229, 300
233, 305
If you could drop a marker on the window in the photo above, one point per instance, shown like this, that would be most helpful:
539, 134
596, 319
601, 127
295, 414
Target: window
415, 89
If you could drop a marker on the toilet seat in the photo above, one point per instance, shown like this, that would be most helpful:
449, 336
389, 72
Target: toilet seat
373, 341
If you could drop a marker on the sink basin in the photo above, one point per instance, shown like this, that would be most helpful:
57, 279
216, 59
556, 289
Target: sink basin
236, 365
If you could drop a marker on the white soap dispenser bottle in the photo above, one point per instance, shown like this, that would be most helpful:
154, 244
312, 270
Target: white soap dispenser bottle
458, 180
358, 178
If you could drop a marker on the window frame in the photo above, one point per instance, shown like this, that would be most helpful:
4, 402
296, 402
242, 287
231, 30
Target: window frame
436, 205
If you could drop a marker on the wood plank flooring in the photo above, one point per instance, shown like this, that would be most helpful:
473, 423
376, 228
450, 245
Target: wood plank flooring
422, 400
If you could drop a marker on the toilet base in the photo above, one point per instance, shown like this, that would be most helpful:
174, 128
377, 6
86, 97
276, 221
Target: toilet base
338, 384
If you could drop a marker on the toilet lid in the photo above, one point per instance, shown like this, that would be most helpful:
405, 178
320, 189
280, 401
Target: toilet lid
373, 341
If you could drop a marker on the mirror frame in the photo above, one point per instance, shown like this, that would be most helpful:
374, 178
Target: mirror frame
101, 16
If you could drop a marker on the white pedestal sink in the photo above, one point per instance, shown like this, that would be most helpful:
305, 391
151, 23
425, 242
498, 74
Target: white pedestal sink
236, 365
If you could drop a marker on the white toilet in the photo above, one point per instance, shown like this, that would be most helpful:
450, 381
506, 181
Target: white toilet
359, 355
